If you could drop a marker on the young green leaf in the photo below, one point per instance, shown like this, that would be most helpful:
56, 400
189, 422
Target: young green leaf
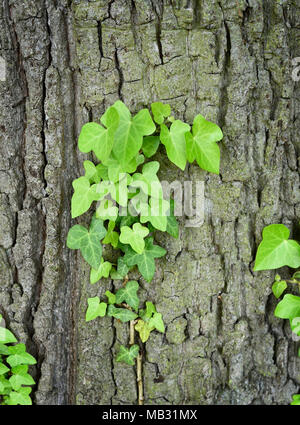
88, 241
129, 294
103, 271
296, 400
279, 287
288, 307
122, 314
174, 141
97, 138
202, 146
126, 355
156, 213
147, 314
4, 348
91, 172
145, 261
17, 380
6, 336
111, 297
143, 329
3, 368
160, 111
19, 356
157, 322
20, 397
134, 237
111, 237
95, 309
276, 250
150, 145
129, 135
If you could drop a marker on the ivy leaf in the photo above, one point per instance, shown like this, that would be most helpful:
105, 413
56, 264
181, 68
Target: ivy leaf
17, 380
97, 138
103, 271
107, 211
3, 369
134, 237
145, 261
157, 322
147, 314
279, 287
160, 111
19, 356
111, 297
20, 397
126, 355
88, 241
295, 325
122, 314
156, 213
3, 348
130, 132
276, 250
202, 146
111, 236
95, 309
288, 307
84, 195
143, 329
172, 224
296, 400
5, 386
129, 294
174, 141
150, 145
6, 336
148, 181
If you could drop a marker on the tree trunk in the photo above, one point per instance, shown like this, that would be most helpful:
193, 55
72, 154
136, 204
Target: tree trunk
230, 60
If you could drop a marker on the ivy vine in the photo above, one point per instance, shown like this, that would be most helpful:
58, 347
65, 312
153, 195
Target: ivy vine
131, 206
277, 250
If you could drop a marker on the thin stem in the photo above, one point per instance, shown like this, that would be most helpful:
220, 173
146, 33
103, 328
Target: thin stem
140, 380
131, 332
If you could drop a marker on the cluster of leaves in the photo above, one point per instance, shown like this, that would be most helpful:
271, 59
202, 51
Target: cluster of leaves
124, 306
15, 380
277, 250
130, 199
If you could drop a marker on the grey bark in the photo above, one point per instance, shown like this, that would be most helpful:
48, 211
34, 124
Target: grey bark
66, 62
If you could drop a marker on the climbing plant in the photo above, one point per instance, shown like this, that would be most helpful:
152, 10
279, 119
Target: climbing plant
15, 381
277, 250
131, 205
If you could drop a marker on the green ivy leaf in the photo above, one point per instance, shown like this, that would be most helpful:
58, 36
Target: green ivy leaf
17, 380
3, 368
111, 236
107, 211
134, 237
20, 397
156, 213
126, 355
296, 400
4, 349
172, 224
295, 325
5, 387
143, 329
95, 309
276, 250
97, 138
19, 356
160, 111
6, 336
150, 145
202, 146
130, 132
88, 241
103, 271
92, 173
147, 314
84, 195
129, 294
174, 141
122, 314
111, 297
145, 261
157, 322
279, 287
288, 307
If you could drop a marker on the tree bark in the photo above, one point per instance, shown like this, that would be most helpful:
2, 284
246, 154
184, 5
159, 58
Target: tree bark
230, 60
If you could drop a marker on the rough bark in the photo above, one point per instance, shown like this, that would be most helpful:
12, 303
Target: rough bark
66, 62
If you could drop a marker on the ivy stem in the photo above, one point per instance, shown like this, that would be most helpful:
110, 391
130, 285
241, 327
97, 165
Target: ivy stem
140, 380
131, 332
